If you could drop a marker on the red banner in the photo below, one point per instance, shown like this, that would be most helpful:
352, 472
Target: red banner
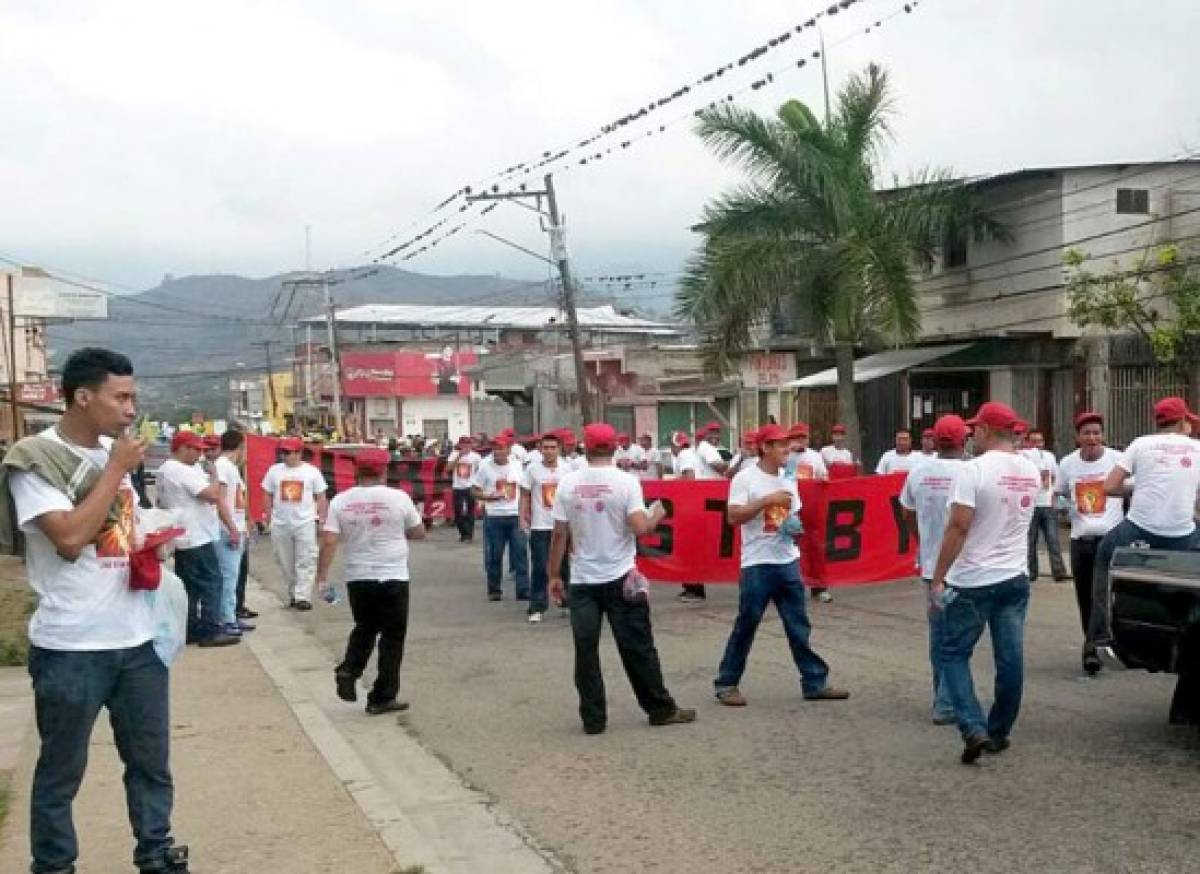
427, 480
406, 374
853, 533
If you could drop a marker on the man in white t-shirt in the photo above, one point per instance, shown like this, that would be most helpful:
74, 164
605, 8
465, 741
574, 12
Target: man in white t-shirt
926, 502
745, 457
463, 462
1165, 467
1045, 518
837, 452
902, 458
91, 634
804, 462
686, 465
233, 497
195, 497
710, 464
294, 492
1081, 477
497, 484
539, 483
763, 502
600, 510
645, 458
982, 578
374, 523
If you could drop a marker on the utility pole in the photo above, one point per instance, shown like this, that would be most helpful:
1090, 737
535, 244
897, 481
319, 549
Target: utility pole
12, 364
321, 282
558, 258
266, 344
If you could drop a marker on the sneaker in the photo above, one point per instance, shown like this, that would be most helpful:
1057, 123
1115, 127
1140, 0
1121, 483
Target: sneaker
246, 613
303, 605
678, 716
219, 639
347, 687
495, 596
731, 697
594, 729
245, 626
382, 707
174, 861
535, 618
1109, 657
996, 745
829, 693
824, 597
974, 748
1091, 662
232, 628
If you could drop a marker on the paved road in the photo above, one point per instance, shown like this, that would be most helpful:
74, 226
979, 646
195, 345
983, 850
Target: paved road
1095, 781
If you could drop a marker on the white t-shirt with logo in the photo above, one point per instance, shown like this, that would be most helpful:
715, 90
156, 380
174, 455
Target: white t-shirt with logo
597, 502
234, 494
1166, 478
1047, 466
177, 485
85, 604
685, 460
762, 540
294, 491
371, 521
1093, 513
707, 456
806, 464
1002, 488
492, 478
927, 493
893, 462
462, 468
542, 484
831, 455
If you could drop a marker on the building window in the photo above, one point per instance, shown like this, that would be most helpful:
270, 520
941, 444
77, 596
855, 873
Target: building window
1133, 201
954, 249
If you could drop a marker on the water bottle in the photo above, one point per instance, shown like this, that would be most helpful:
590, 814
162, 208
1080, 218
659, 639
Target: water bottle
330, 595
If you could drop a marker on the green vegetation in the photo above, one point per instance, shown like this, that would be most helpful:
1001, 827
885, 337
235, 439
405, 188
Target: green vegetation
17, 603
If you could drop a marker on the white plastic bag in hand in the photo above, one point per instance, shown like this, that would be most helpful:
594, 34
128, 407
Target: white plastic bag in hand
168, 609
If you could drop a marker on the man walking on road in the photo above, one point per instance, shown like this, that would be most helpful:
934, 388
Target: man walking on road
463, 463
601, 510
1165, 467
539, 482
765, 504
375, 523
1081, 479
497, 484
229, 555
982, 577
1045, 518
925, 499
90, 637
294, 492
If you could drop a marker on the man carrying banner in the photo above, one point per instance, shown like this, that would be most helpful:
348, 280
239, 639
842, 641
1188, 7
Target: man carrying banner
1081, 477
766, 505
1045, 519
982, 578
709, 462
685, 465
295, 502
463, 462
600, 509
539, 482
497, 484
838, 452
925, 499
900, 459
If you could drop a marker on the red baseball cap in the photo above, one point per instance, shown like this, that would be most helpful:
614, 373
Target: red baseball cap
188, 439
464, 440
1170, 410
502, 439
800, 429
750, 438
773, 433
838, 429
997, 415
599, 435
950, 430
1087, 417
211, 441
622, 436
680, 438
567, 436
372, 461
291, 444
711, 426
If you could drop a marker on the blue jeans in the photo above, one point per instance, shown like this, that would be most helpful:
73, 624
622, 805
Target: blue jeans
1001, 608
758, 586
1100, 624
942, 705
200, 572
500, 532
230, 562
69, 688
539, 571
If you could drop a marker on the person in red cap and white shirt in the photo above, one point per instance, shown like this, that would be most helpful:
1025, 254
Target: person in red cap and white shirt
926, 502
837, 452
645, 458
1093, 513
746, 455
294, 492
1165, 467
497, 484
686, 465
901, 459
803, 462
982, 578
763, 501
228, 475
463, 462
1045, 519
375, 523
601, 511
182, 486
539, 483
710, 464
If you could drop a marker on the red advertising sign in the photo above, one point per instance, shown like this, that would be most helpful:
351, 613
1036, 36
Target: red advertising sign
369, 374
407, 374
39, 393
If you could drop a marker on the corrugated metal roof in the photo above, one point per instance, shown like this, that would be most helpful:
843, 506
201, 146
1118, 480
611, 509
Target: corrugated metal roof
532, 318
879, 364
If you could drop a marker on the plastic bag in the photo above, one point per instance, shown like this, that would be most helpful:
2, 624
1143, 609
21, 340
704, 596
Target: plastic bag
168, 611
636, 588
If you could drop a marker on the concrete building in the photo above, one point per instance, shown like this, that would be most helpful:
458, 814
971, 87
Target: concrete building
36, 298
263, 404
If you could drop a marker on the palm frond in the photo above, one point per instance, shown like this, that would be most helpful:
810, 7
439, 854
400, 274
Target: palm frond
863, 115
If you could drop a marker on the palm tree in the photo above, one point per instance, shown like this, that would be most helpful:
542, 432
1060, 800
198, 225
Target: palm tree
809, 233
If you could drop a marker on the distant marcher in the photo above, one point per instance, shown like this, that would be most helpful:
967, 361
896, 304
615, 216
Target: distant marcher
746, 456
804, 462
982, 578
929, 447
229, 555
463, 462
710, 464
1045, 518
600, 510
375, 524
294, 492
685, 464
539, 484
837, 452
902, 458
765, 504
497, 484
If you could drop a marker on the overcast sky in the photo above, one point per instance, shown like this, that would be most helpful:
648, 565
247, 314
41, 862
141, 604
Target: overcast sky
144, 138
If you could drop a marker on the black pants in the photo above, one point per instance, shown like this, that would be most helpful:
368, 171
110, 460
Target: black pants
1083, 564
243, 572
630, 624
380, 610
200, 572
464, 513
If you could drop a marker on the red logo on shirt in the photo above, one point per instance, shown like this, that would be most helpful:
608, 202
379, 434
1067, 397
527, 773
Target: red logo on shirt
1026, 500
115, 539
376, 521
599, 506
464, 470
549, 490
1186, 461
291, 491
